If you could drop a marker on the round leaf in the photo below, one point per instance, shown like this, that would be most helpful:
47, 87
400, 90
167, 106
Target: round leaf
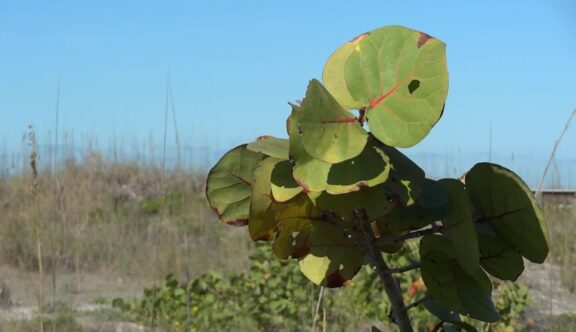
328, 132
333, 260
506, 203
284, 187
262, 225
497, 256
459, 225
270, 146
311, 174
398, 75
450, 284
369, 168
228, 187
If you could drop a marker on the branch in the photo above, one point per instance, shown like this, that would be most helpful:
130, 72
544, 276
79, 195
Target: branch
410, 235
416, 303
399, 314
405, 268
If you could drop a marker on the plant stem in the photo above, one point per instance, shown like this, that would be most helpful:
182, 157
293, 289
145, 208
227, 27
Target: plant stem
405, 268
416, 303
410, 235
399, 312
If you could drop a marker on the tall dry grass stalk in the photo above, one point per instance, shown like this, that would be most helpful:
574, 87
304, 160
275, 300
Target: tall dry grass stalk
38, 223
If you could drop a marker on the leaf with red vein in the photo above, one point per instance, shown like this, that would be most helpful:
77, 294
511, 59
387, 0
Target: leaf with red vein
399, 75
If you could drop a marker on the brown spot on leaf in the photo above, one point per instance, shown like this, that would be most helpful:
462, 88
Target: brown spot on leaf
335, 279
264, 137
238, 222
360, 37
423, 39
300, 251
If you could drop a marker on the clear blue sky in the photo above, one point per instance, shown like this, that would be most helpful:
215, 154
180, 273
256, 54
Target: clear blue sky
235, 64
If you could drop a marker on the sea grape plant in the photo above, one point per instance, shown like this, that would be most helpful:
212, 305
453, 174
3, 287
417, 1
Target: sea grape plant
337, 193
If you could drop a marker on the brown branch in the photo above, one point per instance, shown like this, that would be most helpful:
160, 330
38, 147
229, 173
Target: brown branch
398, 313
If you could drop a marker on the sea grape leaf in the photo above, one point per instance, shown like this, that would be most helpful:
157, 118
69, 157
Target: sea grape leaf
328, 132
460, 227
405, 178
432, 205
506, 203
284, 187
311, 174
270, 146
450, 284
262, 225
229, 185
297, 222
368, 169
333, 259
498, 257
398, 75
370, 199
438, 310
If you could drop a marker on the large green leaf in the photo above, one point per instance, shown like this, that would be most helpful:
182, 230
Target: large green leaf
328, 132
506, 203
398, 75
270, 146
297, 222
406, 177
450, 284
333, 259
284, 187
228, 187
371, 199
262, 225
497, 256
368, 169
311, 174
459, 225
432, 205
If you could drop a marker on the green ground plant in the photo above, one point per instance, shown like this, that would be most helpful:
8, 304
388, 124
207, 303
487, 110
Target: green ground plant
274, 296
336, 196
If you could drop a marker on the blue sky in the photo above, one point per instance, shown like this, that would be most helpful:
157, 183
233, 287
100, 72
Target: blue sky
234, 65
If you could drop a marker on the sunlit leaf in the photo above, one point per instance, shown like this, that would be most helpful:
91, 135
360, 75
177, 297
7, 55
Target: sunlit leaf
262, 225
333, 259
297, 222
506, 203
284, 187
398, 75
328, 132
368, 169
228, 187
311, 174
270, 146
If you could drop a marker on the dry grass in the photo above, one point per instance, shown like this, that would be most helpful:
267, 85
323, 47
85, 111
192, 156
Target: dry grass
115, 218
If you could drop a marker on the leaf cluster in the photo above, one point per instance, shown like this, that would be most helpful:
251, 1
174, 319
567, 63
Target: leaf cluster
315, 194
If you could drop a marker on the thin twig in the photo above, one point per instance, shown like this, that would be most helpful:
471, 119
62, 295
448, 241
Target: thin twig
538, 192
410, 235
405, 268
317, 308
416, 303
